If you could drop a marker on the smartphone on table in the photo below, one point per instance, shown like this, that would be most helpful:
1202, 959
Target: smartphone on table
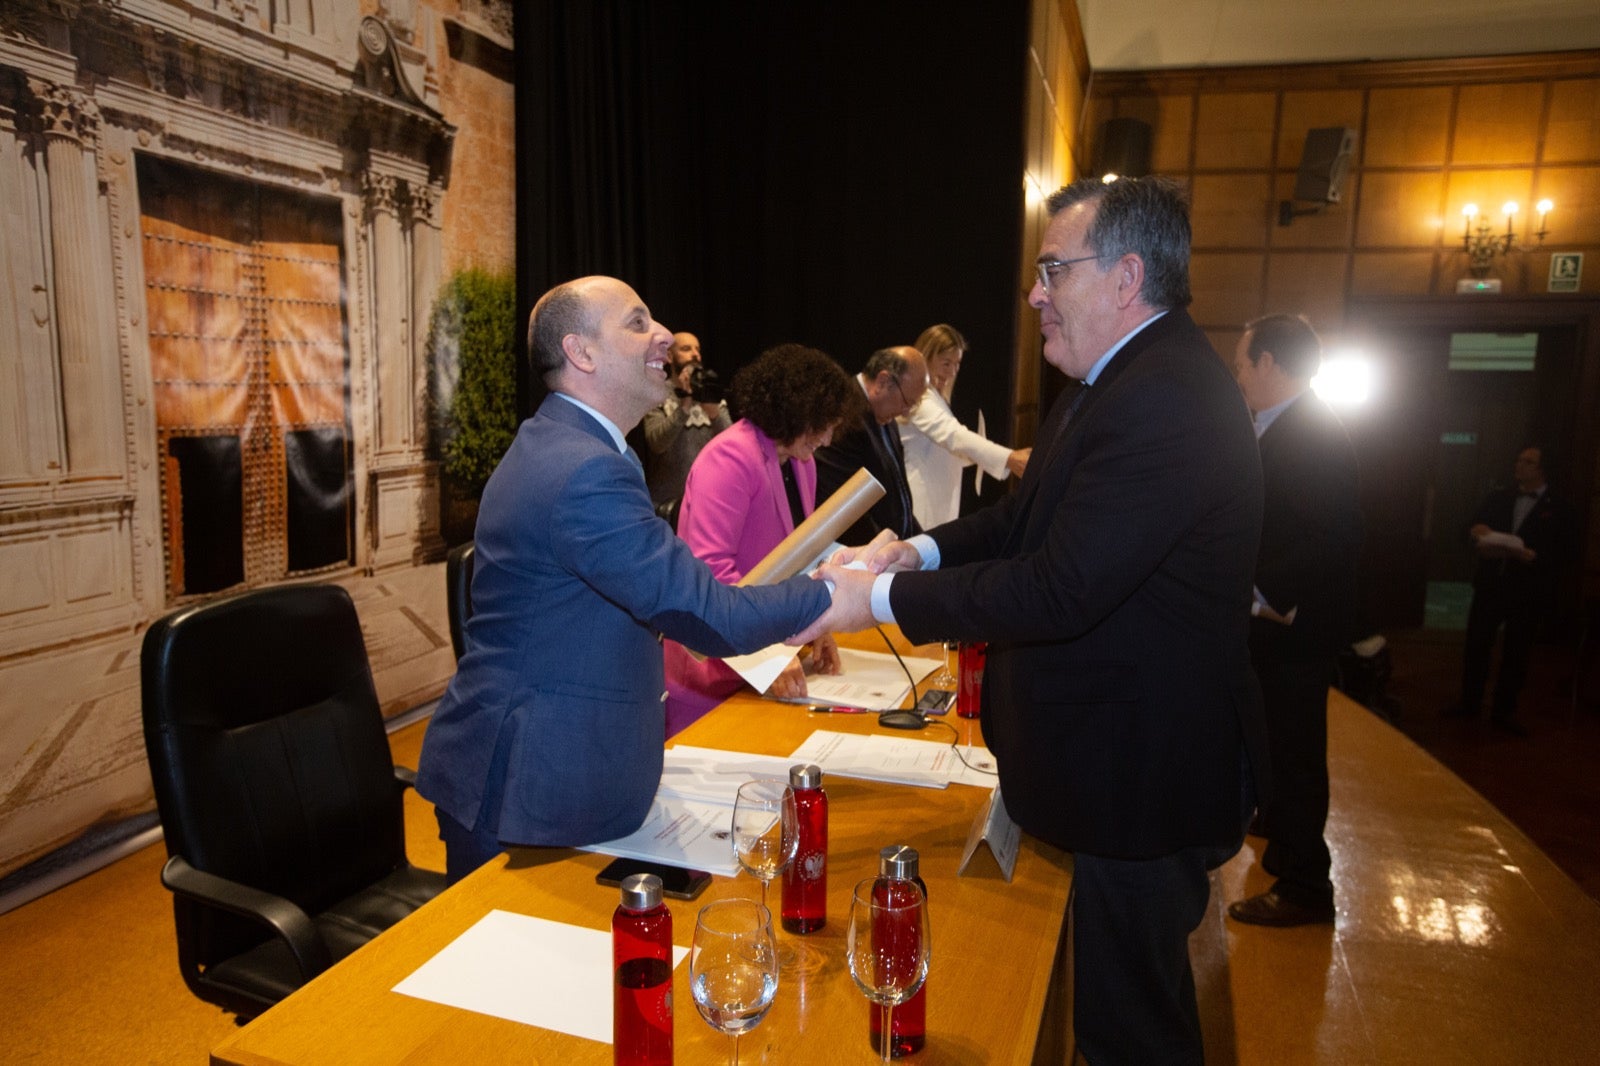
676, 882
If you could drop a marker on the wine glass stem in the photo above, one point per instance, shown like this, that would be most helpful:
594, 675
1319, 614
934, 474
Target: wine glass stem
888, 1035
735, 1059
764, 894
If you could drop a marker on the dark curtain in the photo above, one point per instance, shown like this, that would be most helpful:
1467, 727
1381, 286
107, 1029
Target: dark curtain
843, 175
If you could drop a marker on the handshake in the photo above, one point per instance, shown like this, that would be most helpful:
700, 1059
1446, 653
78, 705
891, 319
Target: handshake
851, 574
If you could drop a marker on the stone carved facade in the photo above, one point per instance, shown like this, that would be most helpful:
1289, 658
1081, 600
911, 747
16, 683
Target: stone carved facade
304, 97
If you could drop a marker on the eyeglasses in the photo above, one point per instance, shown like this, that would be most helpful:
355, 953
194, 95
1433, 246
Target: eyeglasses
1051, 269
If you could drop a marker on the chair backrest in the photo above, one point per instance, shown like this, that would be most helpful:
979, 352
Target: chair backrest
458, 593
268, 753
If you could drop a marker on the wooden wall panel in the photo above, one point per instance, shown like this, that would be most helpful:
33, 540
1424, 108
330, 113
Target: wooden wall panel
1391, 273
1573, 132
1304, 111
1307, 283
1407, 127
1230, 210
1497, 123
1401, 208
1234, 130
1226, 286
1576, 192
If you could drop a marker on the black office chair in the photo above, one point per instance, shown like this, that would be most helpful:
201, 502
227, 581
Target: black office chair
281, 805
668, 509
458, 593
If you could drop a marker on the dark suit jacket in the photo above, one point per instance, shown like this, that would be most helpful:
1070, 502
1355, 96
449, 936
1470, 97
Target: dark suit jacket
1310, 534
1114, 589
555, 713
863, 445
1550, 530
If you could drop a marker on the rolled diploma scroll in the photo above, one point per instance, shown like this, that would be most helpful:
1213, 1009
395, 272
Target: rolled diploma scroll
820, 529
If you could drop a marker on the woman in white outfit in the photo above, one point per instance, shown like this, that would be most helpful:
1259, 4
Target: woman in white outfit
937, 446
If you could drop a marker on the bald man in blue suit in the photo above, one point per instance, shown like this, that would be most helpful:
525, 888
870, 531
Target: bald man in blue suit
551, 732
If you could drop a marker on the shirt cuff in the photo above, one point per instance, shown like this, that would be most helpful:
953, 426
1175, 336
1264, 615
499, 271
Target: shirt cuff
881, 610
928, 548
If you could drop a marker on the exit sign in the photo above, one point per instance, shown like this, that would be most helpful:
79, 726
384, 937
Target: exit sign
1566, 270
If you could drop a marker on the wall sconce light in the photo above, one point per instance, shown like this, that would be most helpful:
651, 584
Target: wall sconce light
1481, 242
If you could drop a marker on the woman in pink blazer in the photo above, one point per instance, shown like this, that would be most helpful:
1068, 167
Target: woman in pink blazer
747, 490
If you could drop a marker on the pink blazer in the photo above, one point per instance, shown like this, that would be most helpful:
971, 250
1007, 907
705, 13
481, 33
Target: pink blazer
734, 512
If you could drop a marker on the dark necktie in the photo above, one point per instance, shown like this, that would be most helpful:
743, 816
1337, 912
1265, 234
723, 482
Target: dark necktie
902, 489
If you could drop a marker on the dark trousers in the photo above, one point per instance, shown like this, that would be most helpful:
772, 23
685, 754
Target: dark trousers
1133, 989
1491, 609
464, 849
1295, 697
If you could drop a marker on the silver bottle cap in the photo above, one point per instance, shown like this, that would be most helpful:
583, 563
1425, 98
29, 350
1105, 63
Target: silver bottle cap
641, 892
898, 860
805, 775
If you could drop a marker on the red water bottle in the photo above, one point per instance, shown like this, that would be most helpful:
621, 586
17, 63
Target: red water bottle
805, 880
969, 685
908, 1022
641, 999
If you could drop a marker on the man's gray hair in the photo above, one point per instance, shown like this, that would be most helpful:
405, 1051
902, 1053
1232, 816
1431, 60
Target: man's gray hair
1145, 216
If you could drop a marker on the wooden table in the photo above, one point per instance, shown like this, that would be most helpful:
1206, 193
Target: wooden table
994, 943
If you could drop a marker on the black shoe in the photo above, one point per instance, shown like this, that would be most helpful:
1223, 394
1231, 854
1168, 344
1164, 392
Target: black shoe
1510, 725
1269, 908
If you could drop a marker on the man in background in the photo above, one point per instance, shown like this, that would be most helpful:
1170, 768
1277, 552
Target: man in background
893, 381
1113, 587
551, 731
675, 432
1524, 536
1304, 605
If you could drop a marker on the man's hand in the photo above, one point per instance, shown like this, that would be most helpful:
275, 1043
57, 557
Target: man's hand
851, 608
881, 555
1017, 461
825, 657
790, 684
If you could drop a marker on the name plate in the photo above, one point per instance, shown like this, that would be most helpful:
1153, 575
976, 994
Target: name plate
996, 833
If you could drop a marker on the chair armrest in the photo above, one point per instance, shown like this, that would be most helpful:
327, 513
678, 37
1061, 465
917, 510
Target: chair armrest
406, 776
293, 925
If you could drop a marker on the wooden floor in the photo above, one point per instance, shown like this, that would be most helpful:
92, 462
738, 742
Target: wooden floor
1458, 940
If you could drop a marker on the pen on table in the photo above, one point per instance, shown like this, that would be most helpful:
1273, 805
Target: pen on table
838, 708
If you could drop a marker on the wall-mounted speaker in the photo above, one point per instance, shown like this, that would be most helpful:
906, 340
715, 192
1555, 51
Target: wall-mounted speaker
1123, 148
1324, 162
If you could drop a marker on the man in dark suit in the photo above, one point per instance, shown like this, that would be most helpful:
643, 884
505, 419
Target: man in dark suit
1304, 605
1113, 588
893, 381
551, 731
1524, 536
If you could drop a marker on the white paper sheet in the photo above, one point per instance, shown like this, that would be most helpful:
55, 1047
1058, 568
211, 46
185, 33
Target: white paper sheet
895, 760
680, 832
528, 970
713, 776
870, 679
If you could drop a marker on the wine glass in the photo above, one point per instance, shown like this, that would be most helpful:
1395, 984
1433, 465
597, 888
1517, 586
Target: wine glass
944, 678
766, 831
733, 966
887, 944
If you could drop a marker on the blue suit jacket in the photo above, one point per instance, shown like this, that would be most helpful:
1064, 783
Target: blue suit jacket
554, 719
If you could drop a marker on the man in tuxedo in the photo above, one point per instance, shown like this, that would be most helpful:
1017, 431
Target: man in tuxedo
1524, 536
893, 381
1113, 587
1304, 605
551, 731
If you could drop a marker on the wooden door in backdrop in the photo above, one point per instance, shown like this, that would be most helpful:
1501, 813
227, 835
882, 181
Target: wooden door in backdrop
251, 370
